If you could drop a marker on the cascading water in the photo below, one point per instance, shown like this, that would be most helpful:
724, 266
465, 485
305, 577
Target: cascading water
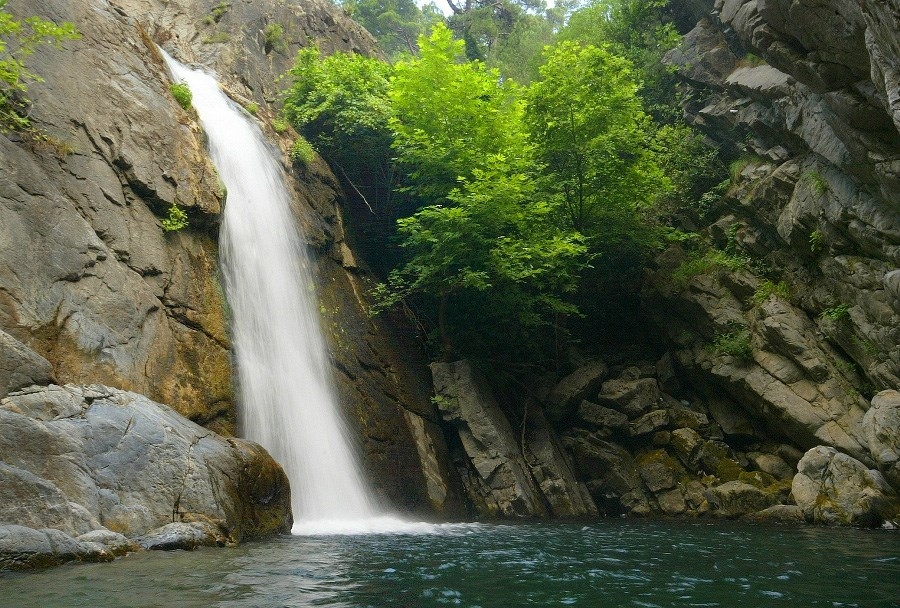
286, 398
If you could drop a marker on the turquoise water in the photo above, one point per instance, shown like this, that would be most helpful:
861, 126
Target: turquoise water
610, 563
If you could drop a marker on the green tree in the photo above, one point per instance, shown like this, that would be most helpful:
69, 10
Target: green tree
591, 134
492, 263
18, 41
397, 24
340, 104
642, 32
449, 116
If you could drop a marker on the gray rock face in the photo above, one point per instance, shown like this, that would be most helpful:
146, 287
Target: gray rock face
581, 384
97, 464
20, 366
465, 401
882, 427
834, 488
506, 473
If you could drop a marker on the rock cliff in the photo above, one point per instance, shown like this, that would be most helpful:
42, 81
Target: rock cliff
92, 284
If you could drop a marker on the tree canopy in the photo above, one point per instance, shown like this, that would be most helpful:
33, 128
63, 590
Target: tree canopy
520, 196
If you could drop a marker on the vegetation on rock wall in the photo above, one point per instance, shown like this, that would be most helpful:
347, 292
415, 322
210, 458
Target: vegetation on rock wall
18, 40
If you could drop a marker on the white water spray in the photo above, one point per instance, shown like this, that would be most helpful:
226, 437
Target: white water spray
287, 401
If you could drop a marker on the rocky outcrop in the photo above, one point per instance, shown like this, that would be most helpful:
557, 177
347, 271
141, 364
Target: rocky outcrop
505, 473
790, 326
833, 488
645, 452
87, 472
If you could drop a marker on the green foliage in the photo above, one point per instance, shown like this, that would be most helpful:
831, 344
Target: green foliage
279, 125
175, 220
815, 180
768, 288
591, 134
816, 241
302, 151
216, 38
252, 107
697, 174
735, 344
751, 60
182, 94
705, 263
640, 31
450, 116
837, 313
495, 256
217, 12
340, 104
18, 41
273, 38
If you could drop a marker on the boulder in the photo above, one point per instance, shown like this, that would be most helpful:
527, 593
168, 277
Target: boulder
20, 366
735, 499
581, 384
612, 475
633, 396
882, 427
98, 465
686, 442
834, 488
25, 548
649, 423
602, 417
552, 470
788, 515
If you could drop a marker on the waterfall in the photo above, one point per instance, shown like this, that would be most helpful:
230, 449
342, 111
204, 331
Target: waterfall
286, 399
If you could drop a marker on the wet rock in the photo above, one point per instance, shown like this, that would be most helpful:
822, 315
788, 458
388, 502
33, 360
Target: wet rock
834, 488
882, 427
735, 499
101, 464
786, 515
25, 548
581, 384
184, 536
20, 366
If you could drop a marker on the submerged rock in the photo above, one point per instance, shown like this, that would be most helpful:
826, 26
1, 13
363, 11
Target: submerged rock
100, 466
